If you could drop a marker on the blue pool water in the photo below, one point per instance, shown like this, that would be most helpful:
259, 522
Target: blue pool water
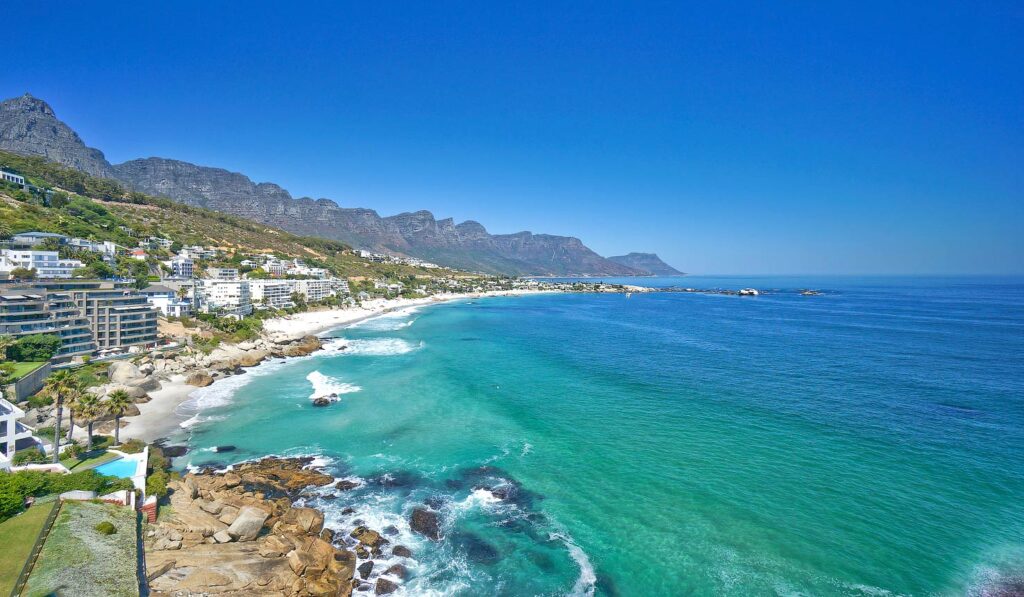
121, 467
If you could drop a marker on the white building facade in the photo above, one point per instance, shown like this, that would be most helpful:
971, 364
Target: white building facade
47, 264
227, 297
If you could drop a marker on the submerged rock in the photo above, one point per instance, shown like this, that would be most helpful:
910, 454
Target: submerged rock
365, 569
385, 586
427, 523
401, 551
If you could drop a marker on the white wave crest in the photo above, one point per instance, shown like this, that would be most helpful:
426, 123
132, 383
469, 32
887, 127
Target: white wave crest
380, 347
388, 322
329, 387
587, 580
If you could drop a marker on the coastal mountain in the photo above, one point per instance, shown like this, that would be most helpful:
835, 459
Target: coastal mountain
29, 126
648, 263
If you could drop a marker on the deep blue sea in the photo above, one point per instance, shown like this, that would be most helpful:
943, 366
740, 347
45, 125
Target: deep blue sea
867, 441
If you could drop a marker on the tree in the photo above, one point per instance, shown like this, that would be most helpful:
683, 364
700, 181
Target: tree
37, 347
89, 409
21, 273
72, 394
5, 342
57, 386
118, 403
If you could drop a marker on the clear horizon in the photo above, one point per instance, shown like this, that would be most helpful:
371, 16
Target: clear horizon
877, 141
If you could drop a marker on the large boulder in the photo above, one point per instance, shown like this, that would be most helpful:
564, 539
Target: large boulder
122, 372
305, 346
199, 379
251, 358
385, 586
248, 523
148, 383
368, 537
427, 523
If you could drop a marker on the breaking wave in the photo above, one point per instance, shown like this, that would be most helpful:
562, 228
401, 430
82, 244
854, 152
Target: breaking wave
329, 387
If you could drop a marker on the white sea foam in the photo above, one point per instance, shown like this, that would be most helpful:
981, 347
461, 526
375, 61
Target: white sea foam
395, 320
588, 578
329, 387
380, 347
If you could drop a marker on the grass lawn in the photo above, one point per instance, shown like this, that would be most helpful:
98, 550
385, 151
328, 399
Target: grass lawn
23, 369
89, 460
17, 536
78, 560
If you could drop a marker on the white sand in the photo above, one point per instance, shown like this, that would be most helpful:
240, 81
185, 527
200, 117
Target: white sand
157, 418
316, 322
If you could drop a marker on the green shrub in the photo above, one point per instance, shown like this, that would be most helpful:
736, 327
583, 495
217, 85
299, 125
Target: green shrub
28, 456
15, 487
156, 483
106, 527
37, 347
39, 400
73, 450
133, 446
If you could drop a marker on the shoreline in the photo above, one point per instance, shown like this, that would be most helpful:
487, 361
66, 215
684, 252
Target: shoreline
159, 417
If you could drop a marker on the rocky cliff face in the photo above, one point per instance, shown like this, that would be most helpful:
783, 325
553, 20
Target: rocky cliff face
648, 263
29, 126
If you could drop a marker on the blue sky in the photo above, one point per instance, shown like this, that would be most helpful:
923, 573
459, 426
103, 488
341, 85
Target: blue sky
748, 137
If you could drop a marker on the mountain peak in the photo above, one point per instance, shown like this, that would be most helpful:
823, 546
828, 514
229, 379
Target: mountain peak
648, 263
27, 103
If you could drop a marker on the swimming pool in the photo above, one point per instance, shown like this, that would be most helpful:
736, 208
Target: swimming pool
121, 467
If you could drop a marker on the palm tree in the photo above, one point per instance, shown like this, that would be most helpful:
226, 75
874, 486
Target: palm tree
57, 386
117, 404
89, 408
72, 394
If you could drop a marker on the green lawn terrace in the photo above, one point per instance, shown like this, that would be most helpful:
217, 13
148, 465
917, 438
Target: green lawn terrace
17, 536
80, 559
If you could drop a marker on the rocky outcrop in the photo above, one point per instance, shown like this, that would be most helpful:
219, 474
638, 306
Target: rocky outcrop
270, 546
28, 126
306, 345
646, 263
426, 522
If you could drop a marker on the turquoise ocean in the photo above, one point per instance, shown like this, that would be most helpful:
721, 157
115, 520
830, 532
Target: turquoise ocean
867, 441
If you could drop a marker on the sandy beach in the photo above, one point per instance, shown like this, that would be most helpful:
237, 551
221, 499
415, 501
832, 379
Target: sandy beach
318, 322
159, 418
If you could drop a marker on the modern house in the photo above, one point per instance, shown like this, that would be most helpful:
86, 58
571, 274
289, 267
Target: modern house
166, 299
272, 293
226, 297
182, 267
12, 177
47, 264
13, 435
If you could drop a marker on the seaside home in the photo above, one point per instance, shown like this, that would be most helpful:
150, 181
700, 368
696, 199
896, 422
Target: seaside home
47, 264
222, 273
139, 254
31, 239
276, 294
13, 435
226, 297
166, 299
27, 310
156, 242
105, 248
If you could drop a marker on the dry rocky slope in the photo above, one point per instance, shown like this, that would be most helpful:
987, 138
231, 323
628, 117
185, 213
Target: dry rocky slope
29, 126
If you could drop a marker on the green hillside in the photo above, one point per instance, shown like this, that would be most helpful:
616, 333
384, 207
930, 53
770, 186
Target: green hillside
102, 209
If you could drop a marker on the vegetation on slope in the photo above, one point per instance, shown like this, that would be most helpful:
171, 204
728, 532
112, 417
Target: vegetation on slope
101, 209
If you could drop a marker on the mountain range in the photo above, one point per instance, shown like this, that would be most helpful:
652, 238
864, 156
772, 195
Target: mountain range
29, 126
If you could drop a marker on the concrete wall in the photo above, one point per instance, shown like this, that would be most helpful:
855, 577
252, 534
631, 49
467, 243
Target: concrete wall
28, 385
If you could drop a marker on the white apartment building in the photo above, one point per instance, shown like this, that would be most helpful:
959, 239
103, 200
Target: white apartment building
222, 273
105, 248
47, 264
182, 267
156, 241
314, 290
273, 293
228, 297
